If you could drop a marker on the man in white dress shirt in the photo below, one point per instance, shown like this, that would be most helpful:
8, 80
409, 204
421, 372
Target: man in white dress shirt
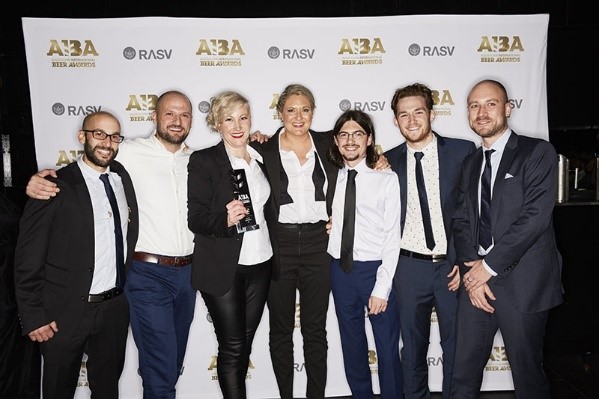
161, 298
364, 260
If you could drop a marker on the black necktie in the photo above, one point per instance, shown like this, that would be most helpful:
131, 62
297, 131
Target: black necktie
484, 229
349, 222
118, 233
426, 214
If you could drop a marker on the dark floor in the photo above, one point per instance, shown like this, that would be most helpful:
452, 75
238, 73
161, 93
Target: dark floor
573, 375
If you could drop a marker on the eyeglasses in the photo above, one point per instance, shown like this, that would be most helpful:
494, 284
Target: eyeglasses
359, 135
101, 135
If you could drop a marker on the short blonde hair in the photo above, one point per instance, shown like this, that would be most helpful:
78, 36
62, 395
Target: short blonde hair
219, 104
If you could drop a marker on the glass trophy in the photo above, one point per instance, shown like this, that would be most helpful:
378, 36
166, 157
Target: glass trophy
242, 193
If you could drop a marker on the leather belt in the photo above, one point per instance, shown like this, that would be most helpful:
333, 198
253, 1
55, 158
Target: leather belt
175, 261
104, 296
298, 226
416, 255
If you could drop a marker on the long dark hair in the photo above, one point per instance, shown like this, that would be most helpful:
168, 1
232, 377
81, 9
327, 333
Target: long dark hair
365, 122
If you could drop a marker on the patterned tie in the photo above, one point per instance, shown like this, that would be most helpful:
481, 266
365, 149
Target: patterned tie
118, 233
426, 214
484, 229
349, 222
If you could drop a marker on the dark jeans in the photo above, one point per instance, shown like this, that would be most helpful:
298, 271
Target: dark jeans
236, 316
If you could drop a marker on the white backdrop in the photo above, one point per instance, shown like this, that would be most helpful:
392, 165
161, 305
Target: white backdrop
77, 66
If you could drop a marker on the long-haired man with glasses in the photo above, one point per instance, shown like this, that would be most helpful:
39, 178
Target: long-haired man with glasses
70, 263
364, 244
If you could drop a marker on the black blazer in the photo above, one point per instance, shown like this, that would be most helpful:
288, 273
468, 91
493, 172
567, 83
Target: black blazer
525, 255
272, 160
451, 154
217, 247
54, 260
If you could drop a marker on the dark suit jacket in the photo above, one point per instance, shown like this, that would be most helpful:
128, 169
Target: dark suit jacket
54, 261
525, 255
217, 247
451, 154
272, 160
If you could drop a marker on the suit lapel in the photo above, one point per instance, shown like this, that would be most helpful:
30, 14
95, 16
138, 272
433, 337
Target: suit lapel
506, 161
270, 155
87, 211
444, 178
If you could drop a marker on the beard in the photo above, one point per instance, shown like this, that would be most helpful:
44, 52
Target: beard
169, 138
90, 154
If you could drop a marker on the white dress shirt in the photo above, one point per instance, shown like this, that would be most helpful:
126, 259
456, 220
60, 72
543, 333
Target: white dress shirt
256, 247
378, 211
104, 277
160, 181
304, 208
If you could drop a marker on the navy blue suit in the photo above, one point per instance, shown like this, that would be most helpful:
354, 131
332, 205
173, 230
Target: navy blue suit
422, 284
525, 258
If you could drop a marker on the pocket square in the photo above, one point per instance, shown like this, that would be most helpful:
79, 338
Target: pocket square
508, 176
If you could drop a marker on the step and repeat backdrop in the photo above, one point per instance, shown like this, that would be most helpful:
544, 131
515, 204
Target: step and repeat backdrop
77, 66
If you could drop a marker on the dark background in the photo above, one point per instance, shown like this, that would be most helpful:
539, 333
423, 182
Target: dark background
572, 65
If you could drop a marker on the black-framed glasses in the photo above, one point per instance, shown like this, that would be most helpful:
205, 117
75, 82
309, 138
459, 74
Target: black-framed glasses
355, 135
101, 135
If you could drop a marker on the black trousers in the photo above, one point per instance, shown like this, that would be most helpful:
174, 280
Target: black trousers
102, 335
305, 266
236, 316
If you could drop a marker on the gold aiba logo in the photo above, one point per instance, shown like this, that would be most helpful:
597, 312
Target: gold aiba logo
500, 49
65, 157
220, 52
141, 106
361, 46
442, 97
72, 53
220, 47
142, 102
214, 362
72, 48
273, 107
500, 44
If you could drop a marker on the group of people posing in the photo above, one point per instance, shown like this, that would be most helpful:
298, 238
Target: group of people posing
435, 223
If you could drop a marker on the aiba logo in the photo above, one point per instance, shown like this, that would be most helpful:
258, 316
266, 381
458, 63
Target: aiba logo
498, 360
141, 106
291, 54
147, 54
69, 53
500, 48
442, 102
273, 107
361, 51
220, 52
